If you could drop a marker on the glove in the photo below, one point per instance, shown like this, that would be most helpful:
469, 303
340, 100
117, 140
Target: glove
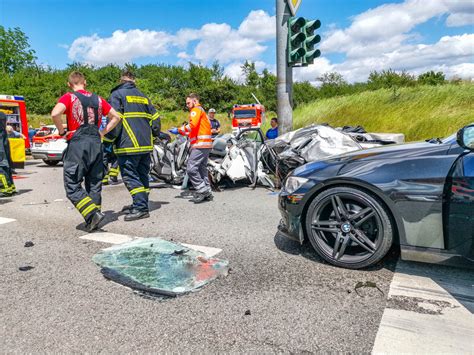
173, 130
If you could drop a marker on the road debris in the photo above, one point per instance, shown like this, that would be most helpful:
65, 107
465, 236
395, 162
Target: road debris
361, 284
26, 268
45, 202
159, 267
29, 244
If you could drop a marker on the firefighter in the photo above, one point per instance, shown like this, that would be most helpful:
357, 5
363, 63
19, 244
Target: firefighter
83, 160
111, 167
133, 142
199, 132
7, 187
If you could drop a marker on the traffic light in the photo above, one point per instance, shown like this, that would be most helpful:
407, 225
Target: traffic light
301, 41
296, 38
310, 41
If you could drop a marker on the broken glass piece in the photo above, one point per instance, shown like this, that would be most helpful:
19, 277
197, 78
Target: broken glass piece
158, 266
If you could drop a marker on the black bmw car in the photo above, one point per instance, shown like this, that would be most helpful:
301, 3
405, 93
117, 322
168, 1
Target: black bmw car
354, 206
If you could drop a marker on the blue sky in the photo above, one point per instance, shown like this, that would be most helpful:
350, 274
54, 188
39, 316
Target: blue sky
358, 36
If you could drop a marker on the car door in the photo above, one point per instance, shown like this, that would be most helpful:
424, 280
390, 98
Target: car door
459, 211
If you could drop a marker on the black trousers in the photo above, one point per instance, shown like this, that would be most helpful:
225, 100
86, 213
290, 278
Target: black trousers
7, 187
83, 162
135, 170
111, 166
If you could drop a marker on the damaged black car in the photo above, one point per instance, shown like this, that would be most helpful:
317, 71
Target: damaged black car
354, 206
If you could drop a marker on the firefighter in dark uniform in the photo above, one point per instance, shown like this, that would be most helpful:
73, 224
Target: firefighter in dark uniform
83, 160
110, 159
111, 166
7, 187
133, 142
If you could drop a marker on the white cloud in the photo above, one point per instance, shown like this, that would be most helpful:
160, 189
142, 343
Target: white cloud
213, 42
462, 19
120, 48
461, 13
258, 25
221, 42
384, 37
310, 73
183, 55
234, 71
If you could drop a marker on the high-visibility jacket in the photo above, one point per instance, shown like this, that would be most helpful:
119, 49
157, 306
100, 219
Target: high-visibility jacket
140, 121
198, 129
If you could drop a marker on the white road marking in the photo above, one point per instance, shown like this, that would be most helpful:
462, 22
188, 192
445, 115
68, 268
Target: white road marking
208, 251
112, 238
4, 220
448, 329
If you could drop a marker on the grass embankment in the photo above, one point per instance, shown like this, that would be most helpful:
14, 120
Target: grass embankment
420, 112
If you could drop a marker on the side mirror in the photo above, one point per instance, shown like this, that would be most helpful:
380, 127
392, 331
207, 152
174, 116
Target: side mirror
465, 137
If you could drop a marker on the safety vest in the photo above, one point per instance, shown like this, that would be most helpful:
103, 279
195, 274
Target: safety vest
198, 129
139, 123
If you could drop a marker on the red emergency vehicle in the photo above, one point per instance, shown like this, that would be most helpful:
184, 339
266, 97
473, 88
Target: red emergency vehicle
15, 109
245, 116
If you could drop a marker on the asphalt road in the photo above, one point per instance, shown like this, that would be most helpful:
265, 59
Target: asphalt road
297, 303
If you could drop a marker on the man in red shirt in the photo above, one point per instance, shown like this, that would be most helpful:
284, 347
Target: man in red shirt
83, 159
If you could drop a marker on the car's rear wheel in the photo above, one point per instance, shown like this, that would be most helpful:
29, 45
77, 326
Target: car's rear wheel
51, 162
349, 227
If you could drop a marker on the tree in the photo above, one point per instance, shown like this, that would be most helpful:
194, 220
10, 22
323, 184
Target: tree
332, 78
250, 73
15, 51
390, 79
432, 78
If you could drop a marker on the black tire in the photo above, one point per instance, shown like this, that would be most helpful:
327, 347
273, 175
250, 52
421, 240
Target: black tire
51, 162
349, 227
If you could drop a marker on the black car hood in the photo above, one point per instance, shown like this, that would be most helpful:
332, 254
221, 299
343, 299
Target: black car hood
397, 151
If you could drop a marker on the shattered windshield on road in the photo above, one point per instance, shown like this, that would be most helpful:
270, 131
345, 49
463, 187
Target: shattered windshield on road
157, 266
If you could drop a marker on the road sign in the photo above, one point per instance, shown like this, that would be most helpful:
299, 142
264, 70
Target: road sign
294, 5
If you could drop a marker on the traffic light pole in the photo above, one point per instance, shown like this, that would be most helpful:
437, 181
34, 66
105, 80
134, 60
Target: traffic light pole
284, 71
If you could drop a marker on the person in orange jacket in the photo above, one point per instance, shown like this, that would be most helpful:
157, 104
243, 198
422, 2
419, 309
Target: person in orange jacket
199, 133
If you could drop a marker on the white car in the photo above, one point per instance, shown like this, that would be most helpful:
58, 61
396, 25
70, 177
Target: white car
49, 147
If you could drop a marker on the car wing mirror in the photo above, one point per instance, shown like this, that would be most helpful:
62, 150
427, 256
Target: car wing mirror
465, 137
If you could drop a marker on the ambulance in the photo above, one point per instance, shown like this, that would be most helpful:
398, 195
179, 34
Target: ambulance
14, 108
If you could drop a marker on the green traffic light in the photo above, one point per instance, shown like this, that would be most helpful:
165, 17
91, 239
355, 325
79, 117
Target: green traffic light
296, 24
297, 39
311, 26
301, 41
312, 40
310, 56
297, 54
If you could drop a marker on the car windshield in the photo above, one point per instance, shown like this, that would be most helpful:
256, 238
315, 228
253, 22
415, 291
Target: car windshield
244, 113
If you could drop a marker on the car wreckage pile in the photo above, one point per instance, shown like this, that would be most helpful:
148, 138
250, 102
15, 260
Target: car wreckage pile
247, 158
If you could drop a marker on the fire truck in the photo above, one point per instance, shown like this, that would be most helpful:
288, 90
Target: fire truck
247, 116
15, 109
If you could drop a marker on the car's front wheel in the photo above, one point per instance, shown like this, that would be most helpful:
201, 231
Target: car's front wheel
51, 162
349, 227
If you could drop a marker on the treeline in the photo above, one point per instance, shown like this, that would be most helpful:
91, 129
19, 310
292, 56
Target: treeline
168, 85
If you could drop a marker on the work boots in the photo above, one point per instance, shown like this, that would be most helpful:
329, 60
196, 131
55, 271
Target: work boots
200, 197
97, 217
134, 215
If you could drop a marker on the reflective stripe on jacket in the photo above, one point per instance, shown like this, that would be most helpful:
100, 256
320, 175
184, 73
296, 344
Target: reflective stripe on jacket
139, 123
198, 129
